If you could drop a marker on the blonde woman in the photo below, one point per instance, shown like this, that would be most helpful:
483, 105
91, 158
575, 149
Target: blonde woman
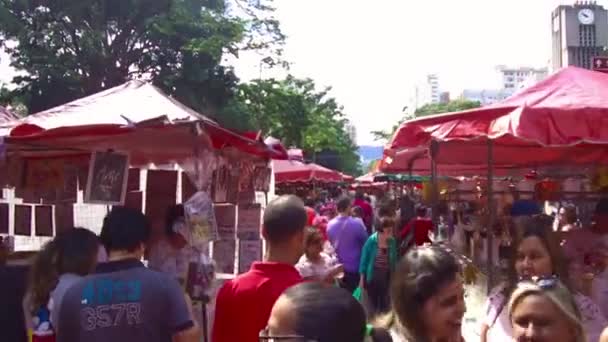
544, 310
536, 253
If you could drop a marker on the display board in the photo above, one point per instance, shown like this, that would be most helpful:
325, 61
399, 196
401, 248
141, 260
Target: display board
249, 221
107, 178
249, 252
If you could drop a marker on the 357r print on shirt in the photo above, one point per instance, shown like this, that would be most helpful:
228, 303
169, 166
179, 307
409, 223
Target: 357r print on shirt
106, 303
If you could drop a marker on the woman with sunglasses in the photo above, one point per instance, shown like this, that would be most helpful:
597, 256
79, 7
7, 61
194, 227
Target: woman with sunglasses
427, 298
313, 312
543, 310
536, 253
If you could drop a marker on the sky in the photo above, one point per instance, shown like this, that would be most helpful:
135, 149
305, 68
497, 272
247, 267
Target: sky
373, 52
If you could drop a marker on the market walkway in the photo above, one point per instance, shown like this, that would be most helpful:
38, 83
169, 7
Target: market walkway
475, 300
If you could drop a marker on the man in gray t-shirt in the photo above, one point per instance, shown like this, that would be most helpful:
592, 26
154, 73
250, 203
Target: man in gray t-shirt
123, 300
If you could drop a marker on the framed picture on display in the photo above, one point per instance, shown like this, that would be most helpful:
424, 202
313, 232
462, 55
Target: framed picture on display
107, 178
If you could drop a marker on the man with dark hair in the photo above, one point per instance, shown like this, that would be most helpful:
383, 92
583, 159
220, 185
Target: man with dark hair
243, 304
123, 300
368, 211
416, 232
347, 236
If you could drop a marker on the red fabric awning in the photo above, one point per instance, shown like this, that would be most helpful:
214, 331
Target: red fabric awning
568, 108
347, 178
292, 171
135, 117
563, 119
160, 143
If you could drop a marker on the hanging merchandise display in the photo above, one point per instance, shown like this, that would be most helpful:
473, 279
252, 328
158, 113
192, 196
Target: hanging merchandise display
600, 179
200, 218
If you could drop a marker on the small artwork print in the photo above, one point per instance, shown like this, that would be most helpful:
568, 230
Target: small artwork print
107, 178
44, 220
23, 220
249, 252
225, 216
224, 255
249, 221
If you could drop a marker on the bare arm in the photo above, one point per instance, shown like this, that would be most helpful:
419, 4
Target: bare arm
192, 334
483, 334
604, 336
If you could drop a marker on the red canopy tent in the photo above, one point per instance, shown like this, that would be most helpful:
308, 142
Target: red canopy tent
347, 178
293, 171
563, 119
135, 117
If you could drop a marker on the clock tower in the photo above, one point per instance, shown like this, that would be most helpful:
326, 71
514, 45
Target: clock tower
580, 32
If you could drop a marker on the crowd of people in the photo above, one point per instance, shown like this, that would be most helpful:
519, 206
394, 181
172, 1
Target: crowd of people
344, 270
414, 289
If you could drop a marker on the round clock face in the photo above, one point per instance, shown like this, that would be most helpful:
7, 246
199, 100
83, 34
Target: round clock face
586, 16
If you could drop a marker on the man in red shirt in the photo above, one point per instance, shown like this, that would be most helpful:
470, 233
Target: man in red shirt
368, 212
421, 226
243, 304
311, 214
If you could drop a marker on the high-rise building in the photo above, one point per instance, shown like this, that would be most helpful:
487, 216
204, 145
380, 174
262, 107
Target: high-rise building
580, 32
433, 88
426, 91
514, 79
444, 97
485, 96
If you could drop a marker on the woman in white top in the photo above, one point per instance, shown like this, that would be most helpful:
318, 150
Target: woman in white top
314, 264
536, 254
427, 298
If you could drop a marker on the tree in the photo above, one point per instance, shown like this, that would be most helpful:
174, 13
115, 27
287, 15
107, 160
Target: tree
72, 48
449, 107
296, 112
426, 110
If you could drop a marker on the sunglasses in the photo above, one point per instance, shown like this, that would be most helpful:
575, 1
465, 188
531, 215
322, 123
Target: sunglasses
265, 336
542, 282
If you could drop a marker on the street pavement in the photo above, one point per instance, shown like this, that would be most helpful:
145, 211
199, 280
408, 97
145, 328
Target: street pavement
475, 301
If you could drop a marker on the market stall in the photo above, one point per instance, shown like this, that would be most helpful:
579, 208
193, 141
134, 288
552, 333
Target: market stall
561, 122
133, 145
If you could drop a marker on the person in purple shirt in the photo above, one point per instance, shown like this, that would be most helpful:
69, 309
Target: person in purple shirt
347, 236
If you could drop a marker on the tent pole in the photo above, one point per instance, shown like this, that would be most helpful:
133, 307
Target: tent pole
434, 186
491, 214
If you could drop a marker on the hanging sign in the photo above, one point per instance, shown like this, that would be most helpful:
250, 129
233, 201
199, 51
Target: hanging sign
107, 178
